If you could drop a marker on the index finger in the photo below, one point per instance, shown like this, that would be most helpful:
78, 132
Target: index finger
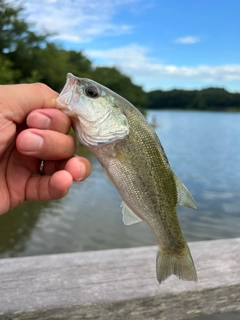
16, 101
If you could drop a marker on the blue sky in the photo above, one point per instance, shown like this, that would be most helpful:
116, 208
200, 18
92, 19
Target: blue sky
160, 44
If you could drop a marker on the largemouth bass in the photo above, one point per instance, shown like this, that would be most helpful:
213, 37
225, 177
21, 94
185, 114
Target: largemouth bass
135, 162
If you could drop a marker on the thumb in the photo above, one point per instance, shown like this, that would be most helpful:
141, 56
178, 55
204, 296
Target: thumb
17, 101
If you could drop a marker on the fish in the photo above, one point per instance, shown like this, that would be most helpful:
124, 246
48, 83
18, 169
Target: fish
136, 164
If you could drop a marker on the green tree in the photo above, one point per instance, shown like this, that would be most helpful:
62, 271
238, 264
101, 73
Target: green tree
17, 43
53, 63
205, 99
12, 28
7, 74
215, 99
78, 64
30, 57
121, 84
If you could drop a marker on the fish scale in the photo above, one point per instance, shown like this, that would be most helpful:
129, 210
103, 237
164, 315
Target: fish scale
136, 164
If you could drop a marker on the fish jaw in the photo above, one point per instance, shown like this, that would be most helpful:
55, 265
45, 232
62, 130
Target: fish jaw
67, 99
95, 121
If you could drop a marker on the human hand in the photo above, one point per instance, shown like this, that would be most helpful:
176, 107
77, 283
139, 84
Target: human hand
31, 129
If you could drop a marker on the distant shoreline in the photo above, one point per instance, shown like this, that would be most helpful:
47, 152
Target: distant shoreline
230, 110
210, 99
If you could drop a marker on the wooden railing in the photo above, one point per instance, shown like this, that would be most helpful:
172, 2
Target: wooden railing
119, 284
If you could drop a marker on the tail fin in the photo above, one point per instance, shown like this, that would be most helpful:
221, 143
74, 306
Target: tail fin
180, 265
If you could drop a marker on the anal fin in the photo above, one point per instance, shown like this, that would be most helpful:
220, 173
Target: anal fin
128, 216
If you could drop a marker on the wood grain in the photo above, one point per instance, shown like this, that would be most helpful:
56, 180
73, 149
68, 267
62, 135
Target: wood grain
119, 284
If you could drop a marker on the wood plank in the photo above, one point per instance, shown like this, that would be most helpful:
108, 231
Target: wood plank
119, 283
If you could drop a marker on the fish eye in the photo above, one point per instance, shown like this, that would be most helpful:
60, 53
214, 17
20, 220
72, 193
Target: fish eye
92, 91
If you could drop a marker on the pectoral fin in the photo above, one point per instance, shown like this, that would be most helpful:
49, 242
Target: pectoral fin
184, 197
128, 216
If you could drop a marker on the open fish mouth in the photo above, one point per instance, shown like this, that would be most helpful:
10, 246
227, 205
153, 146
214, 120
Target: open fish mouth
68, 96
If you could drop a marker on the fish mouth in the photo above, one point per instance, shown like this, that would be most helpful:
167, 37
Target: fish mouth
67, 98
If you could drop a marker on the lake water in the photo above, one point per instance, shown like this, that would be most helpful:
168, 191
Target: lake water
204, 151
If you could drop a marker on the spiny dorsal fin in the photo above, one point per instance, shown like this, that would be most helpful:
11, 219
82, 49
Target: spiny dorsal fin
184, 197
128, 216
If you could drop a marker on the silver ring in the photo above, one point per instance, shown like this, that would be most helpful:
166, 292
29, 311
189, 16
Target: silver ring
41, 167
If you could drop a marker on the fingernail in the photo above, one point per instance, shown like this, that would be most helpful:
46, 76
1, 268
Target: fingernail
31, 142
41, 121
82, 171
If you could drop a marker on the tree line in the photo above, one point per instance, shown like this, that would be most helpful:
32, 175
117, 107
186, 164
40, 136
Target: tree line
205, 99
27, 56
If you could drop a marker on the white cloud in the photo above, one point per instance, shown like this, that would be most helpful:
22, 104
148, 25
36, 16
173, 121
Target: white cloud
187, 40
77, 20
81, 21
134, 60
131, 56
